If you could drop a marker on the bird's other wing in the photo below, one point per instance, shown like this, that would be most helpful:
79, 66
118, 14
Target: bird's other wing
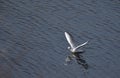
81, 45
69, 39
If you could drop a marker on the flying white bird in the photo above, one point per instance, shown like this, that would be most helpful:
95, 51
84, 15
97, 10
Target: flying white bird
72, 47
75, 51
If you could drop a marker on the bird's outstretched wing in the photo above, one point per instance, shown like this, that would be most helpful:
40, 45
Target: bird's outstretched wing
81, 45
69, 39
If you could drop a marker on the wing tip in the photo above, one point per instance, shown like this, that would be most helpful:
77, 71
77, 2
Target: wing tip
66, 33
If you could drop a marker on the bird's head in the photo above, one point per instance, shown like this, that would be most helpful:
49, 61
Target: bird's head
69, 48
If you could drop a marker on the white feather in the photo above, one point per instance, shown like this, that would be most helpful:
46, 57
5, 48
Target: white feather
69, 39
73, 48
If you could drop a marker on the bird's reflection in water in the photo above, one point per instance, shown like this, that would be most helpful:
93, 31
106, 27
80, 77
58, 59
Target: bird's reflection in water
79, 58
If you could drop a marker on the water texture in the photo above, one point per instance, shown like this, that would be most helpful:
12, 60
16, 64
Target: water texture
33, 45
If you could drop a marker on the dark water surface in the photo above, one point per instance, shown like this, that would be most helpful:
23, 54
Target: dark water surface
32, 42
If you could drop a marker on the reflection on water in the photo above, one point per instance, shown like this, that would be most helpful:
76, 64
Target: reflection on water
79, 59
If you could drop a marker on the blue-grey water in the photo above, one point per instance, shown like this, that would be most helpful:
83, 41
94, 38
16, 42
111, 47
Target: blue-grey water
33, 45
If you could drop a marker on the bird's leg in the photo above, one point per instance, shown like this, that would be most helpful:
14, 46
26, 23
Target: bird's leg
69, 59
